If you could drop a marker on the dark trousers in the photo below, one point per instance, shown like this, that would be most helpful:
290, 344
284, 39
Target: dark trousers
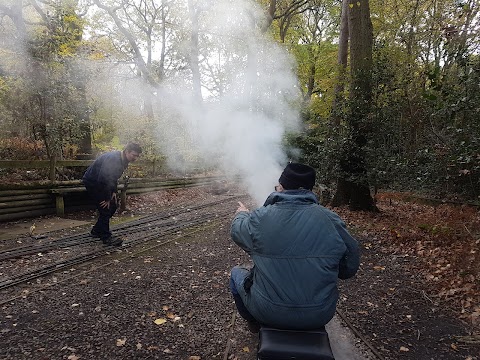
102, 226
237, 279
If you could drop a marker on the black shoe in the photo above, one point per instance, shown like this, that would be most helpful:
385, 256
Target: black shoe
112, 241
94, 234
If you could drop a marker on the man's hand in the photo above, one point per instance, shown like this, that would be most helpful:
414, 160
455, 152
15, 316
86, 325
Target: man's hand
105, 204
241, 208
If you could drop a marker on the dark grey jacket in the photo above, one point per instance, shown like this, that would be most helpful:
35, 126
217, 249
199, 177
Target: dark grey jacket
299, 248
102, 176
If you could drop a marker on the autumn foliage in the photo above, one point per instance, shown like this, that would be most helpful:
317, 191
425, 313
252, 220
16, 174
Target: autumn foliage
444, 240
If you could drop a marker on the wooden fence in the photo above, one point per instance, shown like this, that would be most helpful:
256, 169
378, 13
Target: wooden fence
36, 198
19, 201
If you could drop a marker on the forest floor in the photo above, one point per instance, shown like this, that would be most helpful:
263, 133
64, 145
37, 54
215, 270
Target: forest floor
416, 295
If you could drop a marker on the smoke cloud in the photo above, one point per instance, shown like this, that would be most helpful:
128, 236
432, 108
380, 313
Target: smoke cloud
250, 95
240, 129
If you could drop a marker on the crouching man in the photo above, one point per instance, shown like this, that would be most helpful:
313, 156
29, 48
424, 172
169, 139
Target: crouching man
299, 249
100, 180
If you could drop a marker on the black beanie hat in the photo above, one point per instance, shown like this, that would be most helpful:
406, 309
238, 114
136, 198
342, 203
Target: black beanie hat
296, 176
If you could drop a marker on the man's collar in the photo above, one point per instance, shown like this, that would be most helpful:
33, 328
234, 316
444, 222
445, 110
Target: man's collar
299, 195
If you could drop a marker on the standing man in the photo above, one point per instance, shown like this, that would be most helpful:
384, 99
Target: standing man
100, 180
299, 249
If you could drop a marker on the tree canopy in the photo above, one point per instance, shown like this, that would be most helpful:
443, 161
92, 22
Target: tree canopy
195, 81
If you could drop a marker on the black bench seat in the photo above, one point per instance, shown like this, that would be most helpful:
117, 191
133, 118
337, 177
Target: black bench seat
276, 344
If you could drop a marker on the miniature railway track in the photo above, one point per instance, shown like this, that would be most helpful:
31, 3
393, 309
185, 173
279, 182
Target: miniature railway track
134, 232
123, 229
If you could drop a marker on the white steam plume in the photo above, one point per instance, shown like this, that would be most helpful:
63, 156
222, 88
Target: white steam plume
241, 130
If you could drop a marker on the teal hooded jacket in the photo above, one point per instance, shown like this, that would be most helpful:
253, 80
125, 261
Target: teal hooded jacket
299, 249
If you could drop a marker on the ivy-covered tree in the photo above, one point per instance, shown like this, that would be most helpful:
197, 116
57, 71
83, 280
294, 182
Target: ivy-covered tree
353, 185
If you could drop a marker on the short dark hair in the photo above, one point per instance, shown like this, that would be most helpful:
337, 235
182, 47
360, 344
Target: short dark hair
131, 146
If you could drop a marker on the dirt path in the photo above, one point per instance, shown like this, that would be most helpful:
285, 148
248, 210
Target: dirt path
172, 302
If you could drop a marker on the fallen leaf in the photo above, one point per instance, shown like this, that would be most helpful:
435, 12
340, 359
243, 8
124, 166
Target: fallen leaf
246, 349
139, 346
194, 357
160, 321
170, 315
403, 348
121, 342
73, 357
165, 307
469, 339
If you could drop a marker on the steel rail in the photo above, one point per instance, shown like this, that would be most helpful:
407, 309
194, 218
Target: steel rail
25, 277
358, 334
139, 238
80, 239
142, 238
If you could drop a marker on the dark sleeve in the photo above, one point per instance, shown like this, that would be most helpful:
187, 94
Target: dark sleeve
241, 231
111, 168
350, 262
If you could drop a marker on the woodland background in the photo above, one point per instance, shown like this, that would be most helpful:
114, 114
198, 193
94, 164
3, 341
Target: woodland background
388, 93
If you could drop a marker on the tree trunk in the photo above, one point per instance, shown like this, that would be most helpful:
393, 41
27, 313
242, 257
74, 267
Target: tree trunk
352, 187
194, 54
83, 117
311, 79
270, 15
342, 61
